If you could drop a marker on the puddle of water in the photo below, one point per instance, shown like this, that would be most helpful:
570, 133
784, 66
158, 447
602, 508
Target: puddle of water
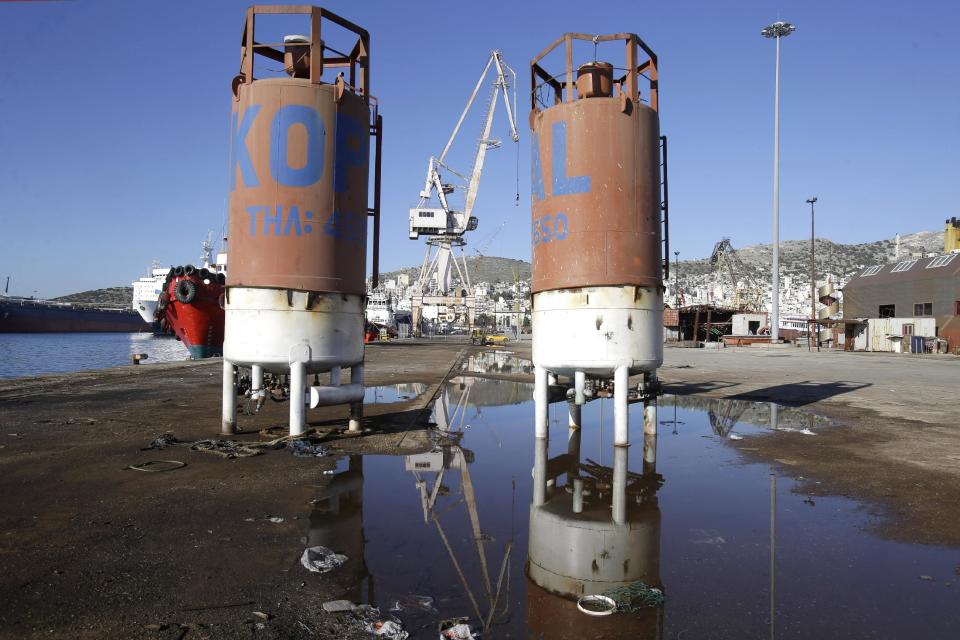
497, 361
448, 523
388, 394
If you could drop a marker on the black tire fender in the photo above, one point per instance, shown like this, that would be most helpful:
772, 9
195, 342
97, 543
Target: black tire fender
185, 291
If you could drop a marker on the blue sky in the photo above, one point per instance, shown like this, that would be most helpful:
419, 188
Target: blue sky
115, 121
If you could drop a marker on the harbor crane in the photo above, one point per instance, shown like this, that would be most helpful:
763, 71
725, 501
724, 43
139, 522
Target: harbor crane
725, 259
445, 226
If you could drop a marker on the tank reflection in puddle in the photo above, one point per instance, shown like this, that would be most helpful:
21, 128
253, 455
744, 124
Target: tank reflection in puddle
336, 522
576, 547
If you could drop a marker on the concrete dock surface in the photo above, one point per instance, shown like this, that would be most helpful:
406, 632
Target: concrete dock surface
92, 549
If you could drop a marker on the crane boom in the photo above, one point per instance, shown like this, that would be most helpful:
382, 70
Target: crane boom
445, 221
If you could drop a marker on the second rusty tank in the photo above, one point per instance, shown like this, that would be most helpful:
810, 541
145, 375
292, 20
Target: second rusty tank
597, 216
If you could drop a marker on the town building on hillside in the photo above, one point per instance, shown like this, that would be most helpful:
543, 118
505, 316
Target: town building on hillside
912, 305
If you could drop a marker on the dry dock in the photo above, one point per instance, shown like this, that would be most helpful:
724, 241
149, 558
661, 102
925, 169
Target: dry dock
91, 549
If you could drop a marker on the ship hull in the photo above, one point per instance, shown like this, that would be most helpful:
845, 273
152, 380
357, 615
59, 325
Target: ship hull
198, 322
26, 316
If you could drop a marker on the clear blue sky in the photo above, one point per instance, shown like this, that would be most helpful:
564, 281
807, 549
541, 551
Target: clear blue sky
114, 121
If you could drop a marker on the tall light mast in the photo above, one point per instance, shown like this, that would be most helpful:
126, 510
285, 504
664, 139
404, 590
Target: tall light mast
444, 226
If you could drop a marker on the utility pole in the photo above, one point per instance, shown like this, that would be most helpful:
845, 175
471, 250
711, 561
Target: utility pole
776, 30
813, 280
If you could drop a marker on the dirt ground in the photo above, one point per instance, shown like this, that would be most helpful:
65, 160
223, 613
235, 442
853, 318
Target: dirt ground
92, 549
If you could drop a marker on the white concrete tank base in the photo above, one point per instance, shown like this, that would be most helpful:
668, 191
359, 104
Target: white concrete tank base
598, 329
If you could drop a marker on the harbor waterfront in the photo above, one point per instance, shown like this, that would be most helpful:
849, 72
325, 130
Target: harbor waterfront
98, 550
31, 354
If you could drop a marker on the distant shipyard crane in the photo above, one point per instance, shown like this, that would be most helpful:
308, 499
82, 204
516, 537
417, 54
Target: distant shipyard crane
446, 226
726, 261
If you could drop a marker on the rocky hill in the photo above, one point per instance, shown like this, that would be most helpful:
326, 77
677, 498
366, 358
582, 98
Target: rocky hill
837, 260
111, 297
482, 269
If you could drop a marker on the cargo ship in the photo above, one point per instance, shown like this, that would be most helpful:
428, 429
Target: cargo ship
32, 315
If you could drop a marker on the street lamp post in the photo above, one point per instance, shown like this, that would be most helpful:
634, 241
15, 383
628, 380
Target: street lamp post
813, 278
776, 30
676, 278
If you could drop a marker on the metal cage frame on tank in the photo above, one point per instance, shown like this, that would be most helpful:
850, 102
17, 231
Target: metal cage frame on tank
296, 288
599, 213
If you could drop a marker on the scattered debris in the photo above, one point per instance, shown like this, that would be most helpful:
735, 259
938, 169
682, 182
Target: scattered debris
338, 606
162, 442
157, 465
734, 436
156, 627
305, 449
414, 603
388, 629
275, 520
596, 605
633, 597
321, 559
927, 578
262, 615
456, 629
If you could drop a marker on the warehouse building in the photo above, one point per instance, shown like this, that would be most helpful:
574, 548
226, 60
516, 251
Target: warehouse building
918, 301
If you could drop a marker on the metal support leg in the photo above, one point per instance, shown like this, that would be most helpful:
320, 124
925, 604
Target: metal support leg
229, 423
619, 491
298, 383
541, 427
621, 415
539, 472
579, 384
356, 408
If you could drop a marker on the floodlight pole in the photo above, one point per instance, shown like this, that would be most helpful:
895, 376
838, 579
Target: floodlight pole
776, 30
813, 281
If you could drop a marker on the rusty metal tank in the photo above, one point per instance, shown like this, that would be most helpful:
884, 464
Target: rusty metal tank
597, 213
298, 209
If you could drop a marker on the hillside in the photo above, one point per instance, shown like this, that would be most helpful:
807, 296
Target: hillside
111, 297
482, 269
835, 259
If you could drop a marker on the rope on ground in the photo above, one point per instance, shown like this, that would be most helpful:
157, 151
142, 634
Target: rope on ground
228, 448
635, 596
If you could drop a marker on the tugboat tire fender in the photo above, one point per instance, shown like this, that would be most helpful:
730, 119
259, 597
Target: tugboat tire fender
185, 291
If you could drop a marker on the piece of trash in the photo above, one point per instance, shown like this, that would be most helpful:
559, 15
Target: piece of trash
734, 436
329, 472
338, 606
162, 442
596, 605
321, 559
156, 627
707, 537
456, 629
927, 578
414, 603
304, 449
158, 465
387, 629
275, 520
807, 432
262, 615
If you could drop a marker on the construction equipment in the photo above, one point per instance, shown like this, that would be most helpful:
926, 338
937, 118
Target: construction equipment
726, 261
446, 226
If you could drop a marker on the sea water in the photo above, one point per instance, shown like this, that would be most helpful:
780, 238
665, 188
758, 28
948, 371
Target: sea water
29, 354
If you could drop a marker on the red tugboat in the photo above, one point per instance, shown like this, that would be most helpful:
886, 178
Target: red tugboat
191, 307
